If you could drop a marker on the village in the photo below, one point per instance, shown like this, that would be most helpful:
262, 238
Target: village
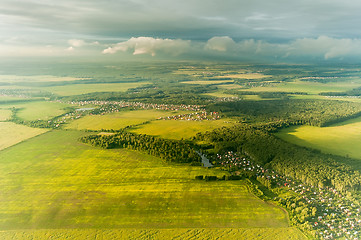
334, 215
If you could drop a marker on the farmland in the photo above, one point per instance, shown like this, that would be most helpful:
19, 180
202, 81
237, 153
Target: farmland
180, 128
118, 120
77, 186
179, 233
12, 133
340, 139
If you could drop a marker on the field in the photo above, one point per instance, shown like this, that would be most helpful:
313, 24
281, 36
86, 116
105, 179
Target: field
118, 120
12, 133
73, 185
209, 82
341, 139
35, 78
5, 114
177, 129
76, 89
137, 234
34, 110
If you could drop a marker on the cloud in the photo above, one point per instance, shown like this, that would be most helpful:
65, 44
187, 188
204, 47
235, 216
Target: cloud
151, 46
221, 44
326, 46
76, 42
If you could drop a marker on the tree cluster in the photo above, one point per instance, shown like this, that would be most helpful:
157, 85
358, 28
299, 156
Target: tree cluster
170, 150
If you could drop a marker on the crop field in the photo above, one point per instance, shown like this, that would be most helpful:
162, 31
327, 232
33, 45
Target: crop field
34, 110
341, 139
5, 114
54, 182
139, 234
119, 120
209, 82
35, 78
177, 129
12, 133
244, 76
76, 89
220, 94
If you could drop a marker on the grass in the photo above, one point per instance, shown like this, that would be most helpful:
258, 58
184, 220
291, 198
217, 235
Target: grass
341, 139
35, 110
12, 133
139, 234
209, 82
244, 76
177, 129
5, 114
54, 182
76, 89
36, 78
118, 120
220, 94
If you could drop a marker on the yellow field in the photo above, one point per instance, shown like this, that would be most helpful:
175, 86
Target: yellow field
244, 76
205, 82
177, 129
118, 120
12, 133
36, 78
76, 89
341, 139
5, 114
161, 234
220, 94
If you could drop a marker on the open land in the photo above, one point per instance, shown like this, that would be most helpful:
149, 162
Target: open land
78, 186
341, 139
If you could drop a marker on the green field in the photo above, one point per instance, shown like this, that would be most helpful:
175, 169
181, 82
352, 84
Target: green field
54, 182
119, 120
12, 133
177, 129
341, 139
139, 234
38, 110
76, 89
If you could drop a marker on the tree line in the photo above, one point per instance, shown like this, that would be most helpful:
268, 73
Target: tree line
178, 151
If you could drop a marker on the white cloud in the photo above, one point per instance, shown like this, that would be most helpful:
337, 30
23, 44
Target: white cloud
221, 44
151, 46
76, 42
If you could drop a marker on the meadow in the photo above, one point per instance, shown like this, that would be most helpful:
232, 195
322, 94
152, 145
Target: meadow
12, 133
138, 234
341, 139
118, 120
73, 185
178, 129
76, 89
34, 110
5, 114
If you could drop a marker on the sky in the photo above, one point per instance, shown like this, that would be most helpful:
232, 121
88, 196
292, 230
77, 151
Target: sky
219, 29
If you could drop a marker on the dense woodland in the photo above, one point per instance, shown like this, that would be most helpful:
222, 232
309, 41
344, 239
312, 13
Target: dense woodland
312, 112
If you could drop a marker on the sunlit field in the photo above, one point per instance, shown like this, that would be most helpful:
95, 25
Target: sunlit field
177, 129
12, 133
53, 181
119, 120
341, 139
76, 89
